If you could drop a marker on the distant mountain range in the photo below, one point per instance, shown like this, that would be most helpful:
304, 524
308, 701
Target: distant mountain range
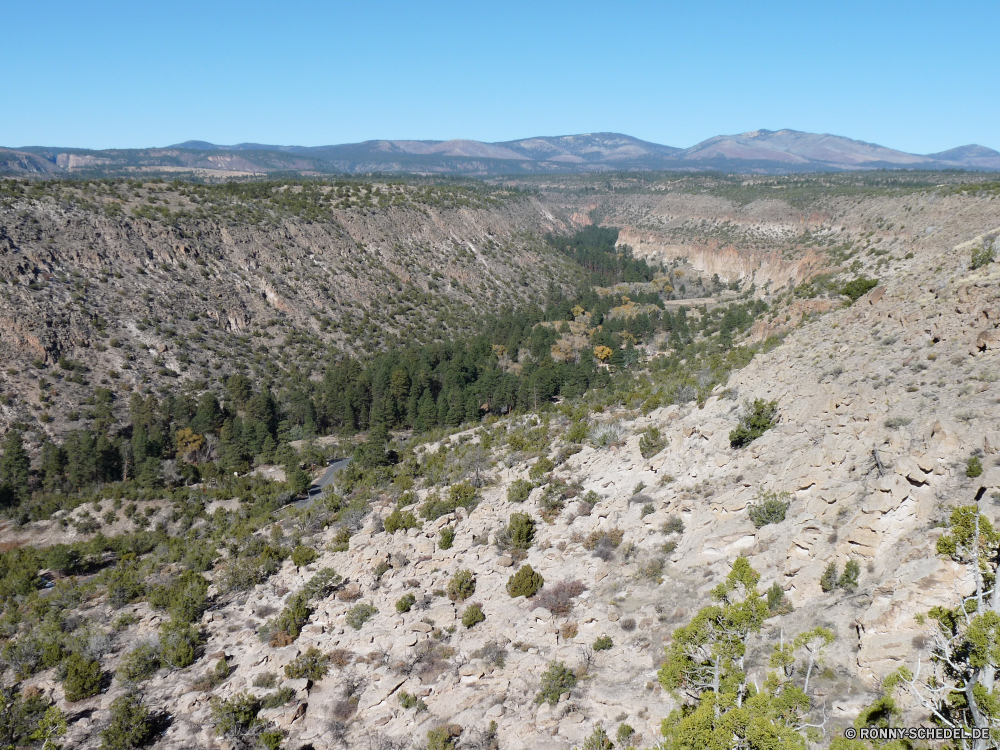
759, 151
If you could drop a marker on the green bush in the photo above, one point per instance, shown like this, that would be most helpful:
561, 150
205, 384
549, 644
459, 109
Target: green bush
522, 530
446, 538
444, 737
540, 468
849, 578
651, 442
757, 418
462, 585
598, 740
302, 556
828, 581
278, 698
857, 288
312, 664
973, 467
558, 679
179, 642
982, 256
526, 582
360, 614
287, 626
237, 716
83, 677
603, 643
461, 495
673, 525
130, 726
185, 598
139, 664
408, 700
405, 603
624, 734
519, 490
473, 615
398, 520
769, 508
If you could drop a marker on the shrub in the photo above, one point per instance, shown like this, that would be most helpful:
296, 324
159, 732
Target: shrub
360, 614
179, 642
461, 495
776, 600
265, 680
408, 700
828, 581
519, 490
130, 726
236, 717
400, 520
83, 677
604, 542
647, 509
757, 418
443, 737
769, 508
525, 582
897, 421
858, 287
849, 578
598, 740
473, 615
558, 597
287, 626
322, 584
603, 435
973, 467
446, 539
982, 256
628, 624
302, 556
673, 525
405, 603
651, 442
312, 664
186, 597
278, 698
603, 643
558, 679
521, 530
139, 664
462, 585
624, 734
540, 468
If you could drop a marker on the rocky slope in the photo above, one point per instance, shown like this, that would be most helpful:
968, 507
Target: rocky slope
148, 283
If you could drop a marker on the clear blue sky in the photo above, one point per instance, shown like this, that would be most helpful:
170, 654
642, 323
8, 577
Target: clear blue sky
918, 76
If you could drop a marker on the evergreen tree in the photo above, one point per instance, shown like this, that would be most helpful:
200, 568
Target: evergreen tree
15, 466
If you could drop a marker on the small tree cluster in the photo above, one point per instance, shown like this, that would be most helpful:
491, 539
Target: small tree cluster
831, 580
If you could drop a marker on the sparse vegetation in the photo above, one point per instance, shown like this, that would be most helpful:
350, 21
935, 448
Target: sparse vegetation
757, 418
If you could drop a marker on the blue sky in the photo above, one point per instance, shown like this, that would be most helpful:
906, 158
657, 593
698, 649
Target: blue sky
918, 76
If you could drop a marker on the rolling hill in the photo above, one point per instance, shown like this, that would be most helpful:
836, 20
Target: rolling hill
758, 151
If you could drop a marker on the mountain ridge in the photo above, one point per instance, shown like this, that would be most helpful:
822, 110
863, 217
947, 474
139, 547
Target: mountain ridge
756, 151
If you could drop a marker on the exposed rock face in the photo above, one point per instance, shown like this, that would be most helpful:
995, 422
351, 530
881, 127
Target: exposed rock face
169, 293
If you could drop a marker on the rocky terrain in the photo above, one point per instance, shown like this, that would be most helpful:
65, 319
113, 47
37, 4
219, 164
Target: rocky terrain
881, 407
149, 283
